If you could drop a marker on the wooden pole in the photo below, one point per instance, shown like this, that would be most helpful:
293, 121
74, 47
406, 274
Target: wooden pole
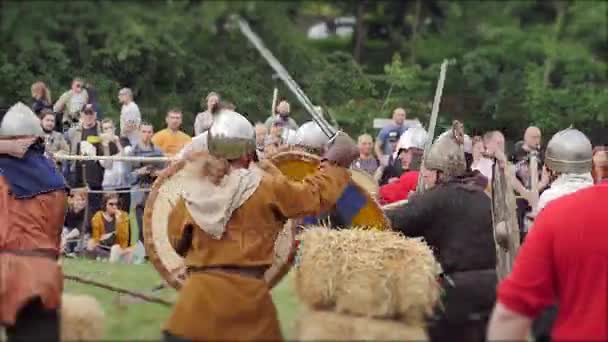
139, 295
275, 97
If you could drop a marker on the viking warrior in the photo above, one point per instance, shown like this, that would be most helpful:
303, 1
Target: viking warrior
454, 217
563, 260
230, 222
568, 161
32, 208
410, 149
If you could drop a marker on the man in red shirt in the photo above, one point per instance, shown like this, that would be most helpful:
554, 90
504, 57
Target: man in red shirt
564, 260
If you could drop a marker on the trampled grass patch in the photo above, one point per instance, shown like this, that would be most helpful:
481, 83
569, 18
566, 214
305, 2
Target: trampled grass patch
137, 320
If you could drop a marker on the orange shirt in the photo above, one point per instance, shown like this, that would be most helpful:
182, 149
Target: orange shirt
170, 142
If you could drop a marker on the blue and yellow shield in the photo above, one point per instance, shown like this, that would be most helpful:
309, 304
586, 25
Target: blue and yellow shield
356, 207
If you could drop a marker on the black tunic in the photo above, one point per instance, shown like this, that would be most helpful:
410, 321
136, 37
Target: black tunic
455, 219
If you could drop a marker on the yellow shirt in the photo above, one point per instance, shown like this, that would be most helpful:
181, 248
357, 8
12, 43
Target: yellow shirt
170, 142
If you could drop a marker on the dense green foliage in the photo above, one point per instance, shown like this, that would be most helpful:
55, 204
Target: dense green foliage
514, 62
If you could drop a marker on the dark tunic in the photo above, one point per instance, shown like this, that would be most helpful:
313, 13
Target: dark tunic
455, 219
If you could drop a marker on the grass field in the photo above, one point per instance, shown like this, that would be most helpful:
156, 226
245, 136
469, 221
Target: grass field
129, 320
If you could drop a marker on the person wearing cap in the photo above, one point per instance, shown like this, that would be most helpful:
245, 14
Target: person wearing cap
85, 139
390, 133
225, 229
32, 208
130, 116
454, 216
393, 169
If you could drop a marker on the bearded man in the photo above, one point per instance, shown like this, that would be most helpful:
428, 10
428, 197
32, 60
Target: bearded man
454, 217
231, 221
32, 208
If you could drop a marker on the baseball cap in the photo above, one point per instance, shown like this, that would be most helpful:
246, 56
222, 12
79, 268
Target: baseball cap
393, 136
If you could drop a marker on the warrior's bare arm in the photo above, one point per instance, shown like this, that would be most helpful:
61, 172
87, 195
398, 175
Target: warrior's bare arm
507, 325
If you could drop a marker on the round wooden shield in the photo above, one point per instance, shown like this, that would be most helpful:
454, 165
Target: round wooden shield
297, 164
161, 213
366, 181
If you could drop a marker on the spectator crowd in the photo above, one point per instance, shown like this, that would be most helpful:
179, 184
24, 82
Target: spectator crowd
106, 194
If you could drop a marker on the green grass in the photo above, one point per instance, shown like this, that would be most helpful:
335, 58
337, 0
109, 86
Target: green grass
141, 320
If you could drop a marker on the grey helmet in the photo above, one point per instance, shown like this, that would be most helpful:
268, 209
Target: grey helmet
414, 137
231, 136
310, 135
569, 151
20, 120
447, 153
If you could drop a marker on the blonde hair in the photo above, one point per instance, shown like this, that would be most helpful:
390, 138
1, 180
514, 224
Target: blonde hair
43, 89
365, 137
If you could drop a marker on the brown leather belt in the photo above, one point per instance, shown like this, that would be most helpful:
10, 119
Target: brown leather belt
39, 252
247, 271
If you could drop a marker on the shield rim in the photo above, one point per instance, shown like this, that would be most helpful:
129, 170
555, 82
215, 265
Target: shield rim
308, 157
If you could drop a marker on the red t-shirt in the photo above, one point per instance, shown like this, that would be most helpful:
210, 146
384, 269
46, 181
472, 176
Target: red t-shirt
400, 189
564, 260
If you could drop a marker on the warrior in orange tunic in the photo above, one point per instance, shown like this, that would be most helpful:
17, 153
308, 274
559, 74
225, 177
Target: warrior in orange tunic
32, 208
232, 219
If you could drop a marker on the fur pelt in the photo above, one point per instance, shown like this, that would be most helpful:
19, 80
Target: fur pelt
82, 318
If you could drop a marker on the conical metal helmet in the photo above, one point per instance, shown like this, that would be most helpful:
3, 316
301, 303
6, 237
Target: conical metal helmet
231, 136
414, 137
20, 120
569, 151
310, 135
447, 153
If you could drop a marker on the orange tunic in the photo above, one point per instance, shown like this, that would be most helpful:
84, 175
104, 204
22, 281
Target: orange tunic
28, 224
224, 306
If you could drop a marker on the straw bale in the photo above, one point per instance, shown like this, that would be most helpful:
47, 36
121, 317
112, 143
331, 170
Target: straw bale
326, 326
82, 318
369, 273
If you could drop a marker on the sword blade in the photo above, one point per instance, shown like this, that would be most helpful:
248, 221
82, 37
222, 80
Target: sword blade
286, 78
433, 121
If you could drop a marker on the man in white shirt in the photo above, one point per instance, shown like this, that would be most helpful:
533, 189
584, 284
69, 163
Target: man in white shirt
130, 117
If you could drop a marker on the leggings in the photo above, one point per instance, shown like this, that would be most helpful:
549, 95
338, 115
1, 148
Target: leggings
34, 323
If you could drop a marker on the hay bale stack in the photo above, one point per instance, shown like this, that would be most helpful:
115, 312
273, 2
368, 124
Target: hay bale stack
367, 273
82, 318
326, 326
